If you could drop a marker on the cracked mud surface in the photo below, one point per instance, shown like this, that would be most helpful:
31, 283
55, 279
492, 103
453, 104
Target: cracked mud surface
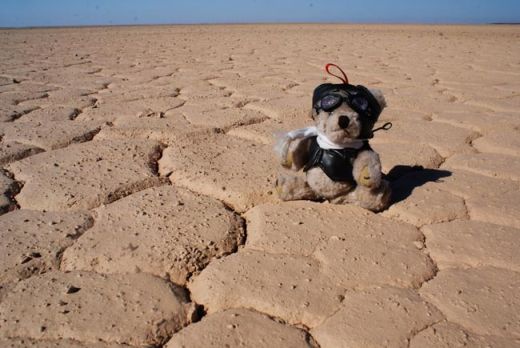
137, 204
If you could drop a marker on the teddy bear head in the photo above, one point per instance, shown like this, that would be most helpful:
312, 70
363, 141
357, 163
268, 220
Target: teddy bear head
345, 112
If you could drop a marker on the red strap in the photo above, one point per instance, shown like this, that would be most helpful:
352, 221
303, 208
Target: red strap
344, 79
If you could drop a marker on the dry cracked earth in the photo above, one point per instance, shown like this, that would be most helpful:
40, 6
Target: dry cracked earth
137, 189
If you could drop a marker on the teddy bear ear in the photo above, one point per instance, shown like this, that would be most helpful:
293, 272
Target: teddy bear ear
378, 94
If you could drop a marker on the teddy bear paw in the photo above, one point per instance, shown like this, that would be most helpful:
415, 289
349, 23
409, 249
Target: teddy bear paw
365, 178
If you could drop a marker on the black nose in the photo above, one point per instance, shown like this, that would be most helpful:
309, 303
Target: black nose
343, 121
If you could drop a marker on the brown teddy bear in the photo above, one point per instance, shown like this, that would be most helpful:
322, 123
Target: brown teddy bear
338, 163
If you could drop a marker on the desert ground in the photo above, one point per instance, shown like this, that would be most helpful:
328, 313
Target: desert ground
139, 209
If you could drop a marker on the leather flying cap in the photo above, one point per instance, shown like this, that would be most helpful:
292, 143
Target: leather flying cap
358, 98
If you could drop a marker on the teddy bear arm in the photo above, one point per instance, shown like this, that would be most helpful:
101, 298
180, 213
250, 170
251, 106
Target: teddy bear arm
367, 169
293, 153
299, 152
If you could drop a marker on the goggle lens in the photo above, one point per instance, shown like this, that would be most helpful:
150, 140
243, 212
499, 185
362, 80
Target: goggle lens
330, 102
359, 103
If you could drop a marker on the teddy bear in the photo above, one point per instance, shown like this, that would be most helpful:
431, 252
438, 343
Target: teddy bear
333, 160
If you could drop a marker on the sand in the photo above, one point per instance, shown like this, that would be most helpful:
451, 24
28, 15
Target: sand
138, 203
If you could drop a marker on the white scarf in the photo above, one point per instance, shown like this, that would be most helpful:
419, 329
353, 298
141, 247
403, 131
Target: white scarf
323, 141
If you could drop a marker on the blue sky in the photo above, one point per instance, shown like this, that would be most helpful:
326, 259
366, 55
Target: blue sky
20, 13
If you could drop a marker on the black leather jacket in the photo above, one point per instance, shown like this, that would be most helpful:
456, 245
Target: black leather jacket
337, 164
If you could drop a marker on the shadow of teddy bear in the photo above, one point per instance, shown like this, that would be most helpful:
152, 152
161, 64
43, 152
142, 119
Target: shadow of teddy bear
404, 179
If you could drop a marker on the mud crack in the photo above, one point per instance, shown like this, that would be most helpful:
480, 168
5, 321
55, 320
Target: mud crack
10, 193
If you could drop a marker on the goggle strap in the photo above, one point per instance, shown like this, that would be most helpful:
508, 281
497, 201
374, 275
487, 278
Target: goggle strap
385, 127
344, 78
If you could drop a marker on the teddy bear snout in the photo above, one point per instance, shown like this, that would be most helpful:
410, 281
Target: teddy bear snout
343, 121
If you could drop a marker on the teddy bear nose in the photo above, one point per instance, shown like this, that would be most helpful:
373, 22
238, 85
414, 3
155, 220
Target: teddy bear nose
343, 121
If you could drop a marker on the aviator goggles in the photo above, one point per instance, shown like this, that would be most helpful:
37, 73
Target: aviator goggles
357, 97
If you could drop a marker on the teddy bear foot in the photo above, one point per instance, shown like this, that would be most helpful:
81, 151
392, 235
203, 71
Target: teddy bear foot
376, 200
293, 188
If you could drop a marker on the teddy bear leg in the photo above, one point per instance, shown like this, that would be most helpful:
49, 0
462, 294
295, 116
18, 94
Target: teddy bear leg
292, 187
372, 199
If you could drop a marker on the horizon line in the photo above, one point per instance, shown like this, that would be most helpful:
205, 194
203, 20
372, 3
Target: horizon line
64, 26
